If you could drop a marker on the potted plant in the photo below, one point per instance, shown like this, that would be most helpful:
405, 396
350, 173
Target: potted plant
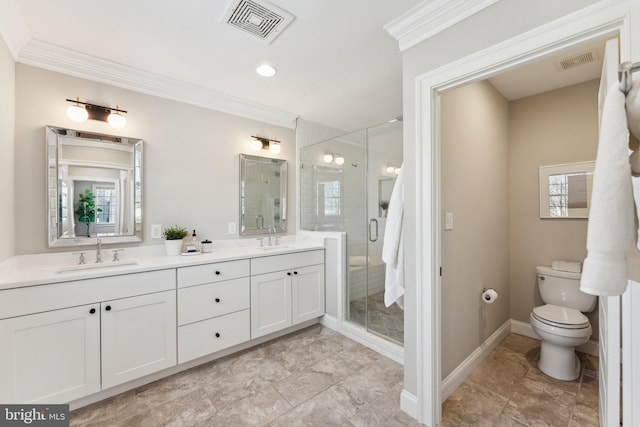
86, 208
173, 239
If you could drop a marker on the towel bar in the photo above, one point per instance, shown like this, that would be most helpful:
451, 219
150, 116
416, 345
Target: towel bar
624, 75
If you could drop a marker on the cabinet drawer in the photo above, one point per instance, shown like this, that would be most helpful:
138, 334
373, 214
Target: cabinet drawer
210, 273
201, 302
269, 264
206, 337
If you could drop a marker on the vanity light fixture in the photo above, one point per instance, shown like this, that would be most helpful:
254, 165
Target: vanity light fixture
260, 143
339, 160
81, 111
390, 169
328, 158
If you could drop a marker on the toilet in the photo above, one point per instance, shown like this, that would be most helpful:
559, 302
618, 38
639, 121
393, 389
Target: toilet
560, 323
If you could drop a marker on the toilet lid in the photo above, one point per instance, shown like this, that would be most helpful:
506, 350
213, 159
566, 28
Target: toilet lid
563, 316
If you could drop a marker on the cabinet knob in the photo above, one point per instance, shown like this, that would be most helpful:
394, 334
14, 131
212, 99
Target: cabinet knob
217, 334
217, 299
295, 272
108, 308
217, 273
92, 311
288, 273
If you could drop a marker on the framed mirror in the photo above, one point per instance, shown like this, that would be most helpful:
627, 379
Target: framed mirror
94, 188
565, 190
263, 195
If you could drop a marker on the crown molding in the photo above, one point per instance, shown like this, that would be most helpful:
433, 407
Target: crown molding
55, 58
430, 18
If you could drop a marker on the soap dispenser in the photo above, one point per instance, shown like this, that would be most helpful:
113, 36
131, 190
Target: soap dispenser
192, 246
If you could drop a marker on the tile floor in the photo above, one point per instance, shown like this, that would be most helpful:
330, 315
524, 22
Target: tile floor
314, 377
317, 377
385, 321
508, 389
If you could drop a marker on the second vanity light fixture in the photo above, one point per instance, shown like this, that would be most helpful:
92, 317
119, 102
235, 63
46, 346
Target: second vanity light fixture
337, 158
260, 143
80, 111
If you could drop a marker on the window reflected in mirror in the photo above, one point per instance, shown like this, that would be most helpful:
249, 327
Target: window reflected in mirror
565, 190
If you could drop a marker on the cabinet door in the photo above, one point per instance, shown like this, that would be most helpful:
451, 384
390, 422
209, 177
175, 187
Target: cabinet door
138, 336
307, 291
51, 357
270, 303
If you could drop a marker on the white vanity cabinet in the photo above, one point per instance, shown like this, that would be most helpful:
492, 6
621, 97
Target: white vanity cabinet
50, 357
286, 290
63, 341
138, 336
213, 308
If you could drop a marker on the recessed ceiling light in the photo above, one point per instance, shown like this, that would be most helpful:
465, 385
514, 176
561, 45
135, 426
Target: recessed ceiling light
266, 70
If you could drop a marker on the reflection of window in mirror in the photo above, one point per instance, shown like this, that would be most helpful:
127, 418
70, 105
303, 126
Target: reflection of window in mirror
565, 190
105, 200
328, 196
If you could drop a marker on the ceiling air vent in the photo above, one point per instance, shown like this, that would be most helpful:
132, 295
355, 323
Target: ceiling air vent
574, 61
259, 18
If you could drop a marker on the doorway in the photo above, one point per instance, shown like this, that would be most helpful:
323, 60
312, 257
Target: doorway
562, 34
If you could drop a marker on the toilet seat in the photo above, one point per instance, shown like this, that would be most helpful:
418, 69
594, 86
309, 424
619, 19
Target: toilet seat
560, 317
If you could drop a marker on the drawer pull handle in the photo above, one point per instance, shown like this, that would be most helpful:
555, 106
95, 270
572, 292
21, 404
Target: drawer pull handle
217, 334
217, 299
92, 311
108, 308
217, 273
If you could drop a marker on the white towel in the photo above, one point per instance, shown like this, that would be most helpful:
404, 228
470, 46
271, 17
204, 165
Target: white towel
392, 250
610, 225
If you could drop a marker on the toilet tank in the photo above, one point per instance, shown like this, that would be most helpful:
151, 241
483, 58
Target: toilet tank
563, 288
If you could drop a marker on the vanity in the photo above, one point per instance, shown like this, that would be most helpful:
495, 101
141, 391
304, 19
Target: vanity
67, 334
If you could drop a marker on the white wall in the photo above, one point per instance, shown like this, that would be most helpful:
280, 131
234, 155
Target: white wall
475, 189
493, 25
7, 169
191, 163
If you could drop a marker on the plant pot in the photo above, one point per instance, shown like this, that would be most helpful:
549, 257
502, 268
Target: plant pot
174, 247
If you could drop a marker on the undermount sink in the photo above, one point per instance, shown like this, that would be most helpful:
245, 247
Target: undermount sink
95, 266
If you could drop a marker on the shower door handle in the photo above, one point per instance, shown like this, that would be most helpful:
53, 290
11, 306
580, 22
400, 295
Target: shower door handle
371, 222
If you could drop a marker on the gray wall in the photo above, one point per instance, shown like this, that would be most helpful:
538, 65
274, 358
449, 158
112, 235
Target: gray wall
556, 127
475, 188
191, 154
493, 25
7, 168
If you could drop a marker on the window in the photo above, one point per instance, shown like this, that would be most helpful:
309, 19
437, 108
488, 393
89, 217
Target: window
106, 201
328, 198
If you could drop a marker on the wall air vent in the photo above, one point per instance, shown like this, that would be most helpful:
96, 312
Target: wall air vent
574, 61
258, 17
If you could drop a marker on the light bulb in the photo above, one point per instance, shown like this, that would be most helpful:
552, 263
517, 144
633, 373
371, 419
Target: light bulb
256, 145
339, 160
328, 158
396, 171
390, 169
116, 120
77, 113
274, 147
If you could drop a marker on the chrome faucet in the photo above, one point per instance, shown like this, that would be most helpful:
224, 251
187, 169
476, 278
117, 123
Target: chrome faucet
99, 249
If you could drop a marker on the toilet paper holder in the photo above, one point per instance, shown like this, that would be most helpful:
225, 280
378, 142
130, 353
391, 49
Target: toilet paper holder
487, 297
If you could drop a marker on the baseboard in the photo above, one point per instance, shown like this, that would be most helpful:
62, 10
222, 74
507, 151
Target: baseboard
409, 404
330, 322
522, 328
463, 370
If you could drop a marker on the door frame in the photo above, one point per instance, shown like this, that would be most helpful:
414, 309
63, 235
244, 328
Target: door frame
606, 18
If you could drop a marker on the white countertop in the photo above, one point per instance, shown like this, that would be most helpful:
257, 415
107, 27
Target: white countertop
38, 269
